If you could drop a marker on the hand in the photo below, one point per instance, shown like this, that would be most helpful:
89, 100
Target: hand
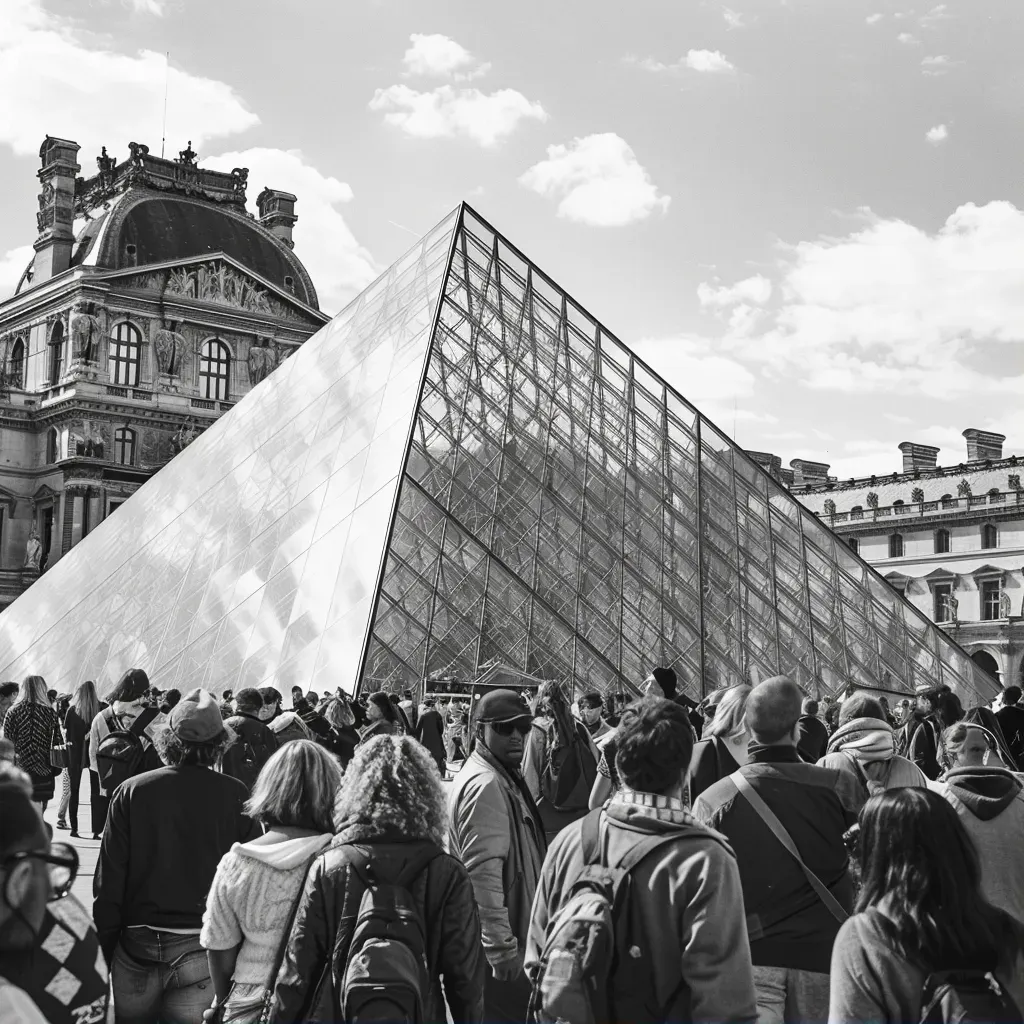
508, 970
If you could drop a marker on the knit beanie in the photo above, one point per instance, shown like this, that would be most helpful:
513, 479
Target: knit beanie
860, 705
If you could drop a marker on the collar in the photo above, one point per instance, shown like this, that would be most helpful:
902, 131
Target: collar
763, 753
656, 801
632, 805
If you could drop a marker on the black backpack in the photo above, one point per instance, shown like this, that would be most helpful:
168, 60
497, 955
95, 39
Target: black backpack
386, 976
966, 997
122, 752
569, 768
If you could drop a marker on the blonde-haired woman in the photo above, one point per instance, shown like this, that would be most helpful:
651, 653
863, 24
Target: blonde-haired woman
723, 748
84, 707
30, 725
391, 820
256, 884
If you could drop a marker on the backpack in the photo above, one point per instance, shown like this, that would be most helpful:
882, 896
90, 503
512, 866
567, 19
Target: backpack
245, 759
569, 769
871, 786
386, 975
965, 997
592, 968
122, 752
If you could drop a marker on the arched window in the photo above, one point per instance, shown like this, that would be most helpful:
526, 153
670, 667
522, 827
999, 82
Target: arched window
898, 508
56, 353
16, 364
947, 500
52, 446
853, 544
125, 343
124, 446
896, 545
214, 370
989, 536
941, 542
857, 512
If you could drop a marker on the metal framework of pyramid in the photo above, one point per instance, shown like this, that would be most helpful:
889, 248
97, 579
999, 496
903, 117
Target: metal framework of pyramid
462, 468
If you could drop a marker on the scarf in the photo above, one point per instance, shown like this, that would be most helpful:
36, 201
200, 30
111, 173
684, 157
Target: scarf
867, 739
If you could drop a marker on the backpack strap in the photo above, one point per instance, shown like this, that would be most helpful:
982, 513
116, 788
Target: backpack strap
142, 721
590, 836
767, 815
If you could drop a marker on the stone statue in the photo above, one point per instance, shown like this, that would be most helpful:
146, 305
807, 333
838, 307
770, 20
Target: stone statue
263, 360
139, 153
85, 336
187, 157
33, 550
1004, 605
240, 176
170, 346
954, 607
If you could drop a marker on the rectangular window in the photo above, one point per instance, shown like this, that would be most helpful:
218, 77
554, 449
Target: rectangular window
942, 593
991, 592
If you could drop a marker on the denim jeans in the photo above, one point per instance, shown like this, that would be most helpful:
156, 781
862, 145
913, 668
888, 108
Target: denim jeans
789, 996
160, 978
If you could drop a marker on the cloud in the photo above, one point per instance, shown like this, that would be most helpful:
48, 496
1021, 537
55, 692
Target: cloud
705, 61
446, 112
712, 61
12, 266
339, 266
690, 364
756, 289
154, 7
937, 65
937, 135
96, 96
733, 19
934, 16
874, 19
439, 56
907, 39
892, 308
597, 180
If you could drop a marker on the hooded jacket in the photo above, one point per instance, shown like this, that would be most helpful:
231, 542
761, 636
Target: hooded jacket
990, 803
864, 748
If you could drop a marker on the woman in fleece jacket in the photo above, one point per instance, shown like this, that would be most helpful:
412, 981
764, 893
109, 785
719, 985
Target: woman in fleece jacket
990, 803
863, 745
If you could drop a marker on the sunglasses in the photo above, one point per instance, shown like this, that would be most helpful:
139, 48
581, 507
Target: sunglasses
62, 859
507, 728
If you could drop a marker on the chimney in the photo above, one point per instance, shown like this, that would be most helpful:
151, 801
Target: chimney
277, 213
771, 464
805, 472
59, 166
983, 444
918, 458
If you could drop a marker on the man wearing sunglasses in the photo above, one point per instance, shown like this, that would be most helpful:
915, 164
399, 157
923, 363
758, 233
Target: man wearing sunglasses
495, 829
47, 971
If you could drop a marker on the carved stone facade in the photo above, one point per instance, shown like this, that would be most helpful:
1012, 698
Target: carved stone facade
109, 369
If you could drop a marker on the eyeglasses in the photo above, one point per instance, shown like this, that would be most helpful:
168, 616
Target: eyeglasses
62, 859
521, 726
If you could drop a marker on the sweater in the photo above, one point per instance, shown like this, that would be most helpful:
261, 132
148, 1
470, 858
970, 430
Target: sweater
31, 727
990, 804
870, 982
166, 833
251, 901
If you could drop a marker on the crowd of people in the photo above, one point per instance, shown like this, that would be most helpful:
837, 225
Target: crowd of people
758, 855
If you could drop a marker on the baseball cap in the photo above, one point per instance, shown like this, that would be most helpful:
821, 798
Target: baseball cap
196, 718
500, 706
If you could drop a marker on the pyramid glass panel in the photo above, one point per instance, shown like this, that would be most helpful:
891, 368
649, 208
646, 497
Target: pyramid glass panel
466, 468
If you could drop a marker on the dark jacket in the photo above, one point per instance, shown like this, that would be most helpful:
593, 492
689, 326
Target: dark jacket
381, 727
166, 833
255, 746
923, 744
1011, 721
816, 806
430, 732
76, 732
327, 914
812, 740
710, 762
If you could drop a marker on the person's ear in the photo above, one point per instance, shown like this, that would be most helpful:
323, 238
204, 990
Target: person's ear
18, 884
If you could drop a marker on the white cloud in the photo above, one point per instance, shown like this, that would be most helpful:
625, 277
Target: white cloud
712, 61
339, 266
892, 308
874, 19
734, 19
154, 7
690, 364
756, 289
597, 180
439, 56
96, 96
935, 15
907, 39
12, 266
446, 112
937, 65
937, 134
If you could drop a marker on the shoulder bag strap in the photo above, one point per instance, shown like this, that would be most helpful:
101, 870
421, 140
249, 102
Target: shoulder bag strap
590, 837
142, 721
779, 831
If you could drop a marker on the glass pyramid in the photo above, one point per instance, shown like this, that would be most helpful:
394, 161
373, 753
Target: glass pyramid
465, 468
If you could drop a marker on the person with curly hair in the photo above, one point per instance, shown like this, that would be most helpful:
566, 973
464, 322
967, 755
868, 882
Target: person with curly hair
390, 816
167, 830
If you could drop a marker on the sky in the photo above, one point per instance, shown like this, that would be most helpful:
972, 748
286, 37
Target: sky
808, 215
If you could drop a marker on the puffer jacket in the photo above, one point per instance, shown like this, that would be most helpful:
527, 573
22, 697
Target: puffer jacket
863, 748
496, 834
327, 913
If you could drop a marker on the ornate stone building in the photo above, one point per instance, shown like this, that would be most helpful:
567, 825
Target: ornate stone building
949, 538
154, 302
